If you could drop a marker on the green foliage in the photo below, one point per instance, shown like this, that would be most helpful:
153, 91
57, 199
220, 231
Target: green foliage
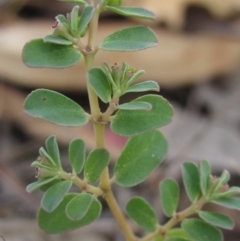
130, 39
134, 167
77, 153
78, 207
138, 120
191, 179
124, 122
36, 185
85, 19
132, 12
169, 195
142, 213
55, 107
205, 172
52, 148
100, 84
57, 221
201, 231
38, 54
96, 161
217, 219
54, 195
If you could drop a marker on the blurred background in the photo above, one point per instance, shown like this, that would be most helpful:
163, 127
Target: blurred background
197, 67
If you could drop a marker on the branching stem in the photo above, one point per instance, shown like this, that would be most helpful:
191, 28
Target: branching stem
177, 218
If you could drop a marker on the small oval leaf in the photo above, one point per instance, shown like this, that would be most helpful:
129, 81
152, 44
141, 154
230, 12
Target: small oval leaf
201, 231
217, 219
228, 202
133, 166
54, 195
55, 107
130, 39
191, 180
144, 86
132, 12
85, 18
96, 162
53, 151
205, 172
138, 105
38, 54
169, 196
74, 18
57, 221
77, 154
100, 84
124, 122
77, 208
142, 213
36, 185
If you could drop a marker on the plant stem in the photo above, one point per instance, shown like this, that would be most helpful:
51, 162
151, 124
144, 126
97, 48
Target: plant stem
117, 213
99, 131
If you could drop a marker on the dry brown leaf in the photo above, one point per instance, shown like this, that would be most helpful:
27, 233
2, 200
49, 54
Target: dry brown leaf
172, 12
179, 59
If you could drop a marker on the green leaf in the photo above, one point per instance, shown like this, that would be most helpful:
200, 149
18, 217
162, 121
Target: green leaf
77, 208
130, 39
139, 105
77, 153
230, 192
96, 162
217, 219
50, 162
38, 54
191, 180
100, 84
80, 2
201, 231
132, 12
54, 195
144, 86
142, 213
205, 172
53, 151
55, 107
74, 18
223, 179
228, 202
129, 122
133, 166
56, 40
178, 233
57, 221
169, 195
36, 185
45, 187
85, 18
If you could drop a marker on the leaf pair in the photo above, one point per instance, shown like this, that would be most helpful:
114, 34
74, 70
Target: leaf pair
38, 54
94, 164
